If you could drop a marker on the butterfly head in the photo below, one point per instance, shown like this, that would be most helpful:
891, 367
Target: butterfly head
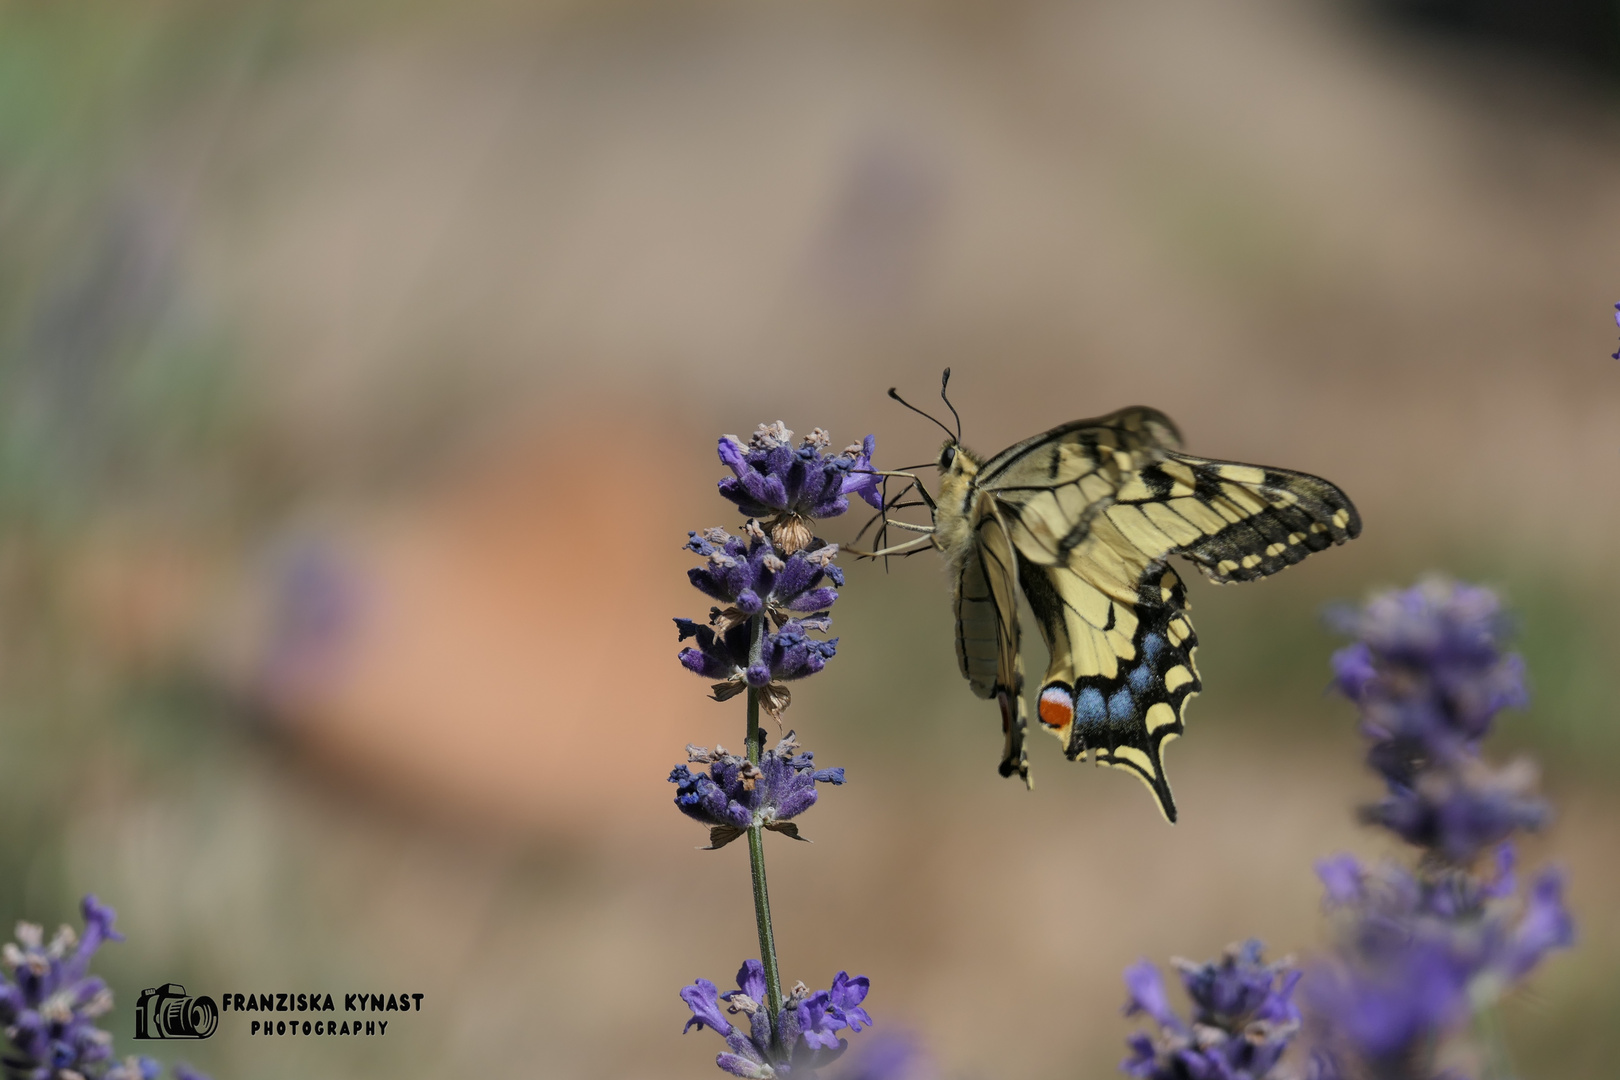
956, 460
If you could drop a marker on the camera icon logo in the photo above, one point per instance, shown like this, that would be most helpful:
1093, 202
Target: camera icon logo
166, 1012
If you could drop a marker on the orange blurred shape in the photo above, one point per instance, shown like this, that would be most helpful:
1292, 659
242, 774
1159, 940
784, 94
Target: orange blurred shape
508, 651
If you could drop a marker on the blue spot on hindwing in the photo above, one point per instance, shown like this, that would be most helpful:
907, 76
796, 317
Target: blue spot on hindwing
1140, 678
1122, 706
1089, 706
1152, 645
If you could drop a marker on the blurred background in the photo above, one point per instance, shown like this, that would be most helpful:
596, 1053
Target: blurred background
361, 367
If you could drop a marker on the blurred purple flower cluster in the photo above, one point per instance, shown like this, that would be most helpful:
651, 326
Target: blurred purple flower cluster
1420, 951
891, 1056
1429, 675
49, 1002
1243, 1018
736, 793
802, 1038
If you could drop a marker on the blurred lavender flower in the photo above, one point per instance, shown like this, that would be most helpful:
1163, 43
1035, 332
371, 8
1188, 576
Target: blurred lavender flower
789, 486
802, 1038
1419, 952
1422, 951
737, 793
1429, 675
315, 606
889, 1057
1243, 1018
49, 1001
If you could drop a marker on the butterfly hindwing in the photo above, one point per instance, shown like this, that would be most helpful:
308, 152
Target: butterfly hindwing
1119, 691
987, 639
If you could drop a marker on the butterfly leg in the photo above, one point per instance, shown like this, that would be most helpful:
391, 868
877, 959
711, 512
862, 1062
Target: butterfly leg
907, 548
1014, 757
914, 485
882, 516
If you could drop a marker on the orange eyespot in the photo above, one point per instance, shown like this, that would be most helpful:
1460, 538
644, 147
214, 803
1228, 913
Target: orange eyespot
1056, 707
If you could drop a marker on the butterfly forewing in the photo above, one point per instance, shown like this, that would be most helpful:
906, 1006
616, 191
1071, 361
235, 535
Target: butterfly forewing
1250, 521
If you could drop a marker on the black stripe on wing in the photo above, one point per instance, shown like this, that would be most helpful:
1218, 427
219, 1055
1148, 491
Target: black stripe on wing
1128, 429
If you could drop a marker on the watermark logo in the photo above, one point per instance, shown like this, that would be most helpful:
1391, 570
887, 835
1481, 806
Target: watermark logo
167, 1012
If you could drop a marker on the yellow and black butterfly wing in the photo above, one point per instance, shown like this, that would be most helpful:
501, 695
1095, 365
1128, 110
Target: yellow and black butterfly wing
987, 634
1241, 522
1093, 509
1120, 690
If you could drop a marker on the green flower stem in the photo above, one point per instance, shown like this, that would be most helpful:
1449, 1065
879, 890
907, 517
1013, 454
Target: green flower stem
1498, 1065
756, 838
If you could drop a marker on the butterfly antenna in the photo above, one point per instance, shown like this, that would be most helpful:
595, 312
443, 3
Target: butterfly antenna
896, 395
944, 381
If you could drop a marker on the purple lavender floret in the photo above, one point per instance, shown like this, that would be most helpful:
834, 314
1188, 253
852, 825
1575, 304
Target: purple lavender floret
749, 577
862, 480
1243, 1018
801, 1039
788, 486
735, 794
49, 1002
722, 656
788, 653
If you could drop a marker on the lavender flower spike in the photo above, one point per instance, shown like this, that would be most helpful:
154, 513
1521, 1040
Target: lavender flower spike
772, 480
1243, 1019
801, 1039
1420, 951
736, 794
